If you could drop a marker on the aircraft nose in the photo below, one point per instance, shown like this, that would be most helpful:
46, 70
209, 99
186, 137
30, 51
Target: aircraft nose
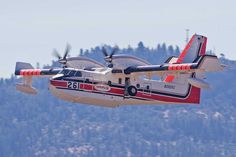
52, 82
58, 83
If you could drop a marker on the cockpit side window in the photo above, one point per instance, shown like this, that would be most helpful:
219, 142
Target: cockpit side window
78, 74
72, 73
65, 72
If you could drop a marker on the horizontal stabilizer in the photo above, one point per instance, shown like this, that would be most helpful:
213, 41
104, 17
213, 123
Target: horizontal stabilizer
198, 83
211, 64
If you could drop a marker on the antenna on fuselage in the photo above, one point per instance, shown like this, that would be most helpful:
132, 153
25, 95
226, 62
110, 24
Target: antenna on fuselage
187, 36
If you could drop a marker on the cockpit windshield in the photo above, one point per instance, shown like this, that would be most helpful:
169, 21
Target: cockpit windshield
71, 73
65, 72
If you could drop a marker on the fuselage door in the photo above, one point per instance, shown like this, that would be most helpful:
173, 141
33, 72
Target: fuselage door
147, 88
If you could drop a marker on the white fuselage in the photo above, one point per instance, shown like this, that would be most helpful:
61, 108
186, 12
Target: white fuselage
100, 87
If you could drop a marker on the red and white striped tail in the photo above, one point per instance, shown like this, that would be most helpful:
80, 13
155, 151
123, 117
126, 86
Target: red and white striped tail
196, 47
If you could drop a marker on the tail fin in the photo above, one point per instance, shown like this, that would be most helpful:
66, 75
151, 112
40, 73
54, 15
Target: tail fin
196, 47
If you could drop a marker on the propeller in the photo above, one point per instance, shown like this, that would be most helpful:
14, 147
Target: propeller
108, 58
62, 60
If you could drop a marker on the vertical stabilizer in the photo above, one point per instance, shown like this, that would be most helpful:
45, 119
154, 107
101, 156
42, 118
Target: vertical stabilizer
196, 47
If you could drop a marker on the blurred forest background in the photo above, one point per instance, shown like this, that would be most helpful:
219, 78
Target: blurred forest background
43, 125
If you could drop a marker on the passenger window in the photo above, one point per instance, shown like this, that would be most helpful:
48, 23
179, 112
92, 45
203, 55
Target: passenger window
120, 81
138, 85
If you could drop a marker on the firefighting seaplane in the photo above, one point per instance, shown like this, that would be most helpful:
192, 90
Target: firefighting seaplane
127, 80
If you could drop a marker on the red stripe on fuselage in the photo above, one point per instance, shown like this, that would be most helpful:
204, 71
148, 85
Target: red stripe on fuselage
192, 97
86, 86
113, 90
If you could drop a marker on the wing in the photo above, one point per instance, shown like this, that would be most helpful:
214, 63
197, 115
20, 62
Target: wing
83, 63
27, 71
123, 61
206, 63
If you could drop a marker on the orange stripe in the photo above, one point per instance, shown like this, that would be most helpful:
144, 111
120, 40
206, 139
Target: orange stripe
169, 78
34, 72
38, 72
183, 54
179, 67
28, 72
188, 67
25, 72
21, 72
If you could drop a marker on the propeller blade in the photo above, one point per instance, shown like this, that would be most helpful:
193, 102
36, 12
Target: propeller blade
68, 47
56, 54
114, 51
104, 51
64, 59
